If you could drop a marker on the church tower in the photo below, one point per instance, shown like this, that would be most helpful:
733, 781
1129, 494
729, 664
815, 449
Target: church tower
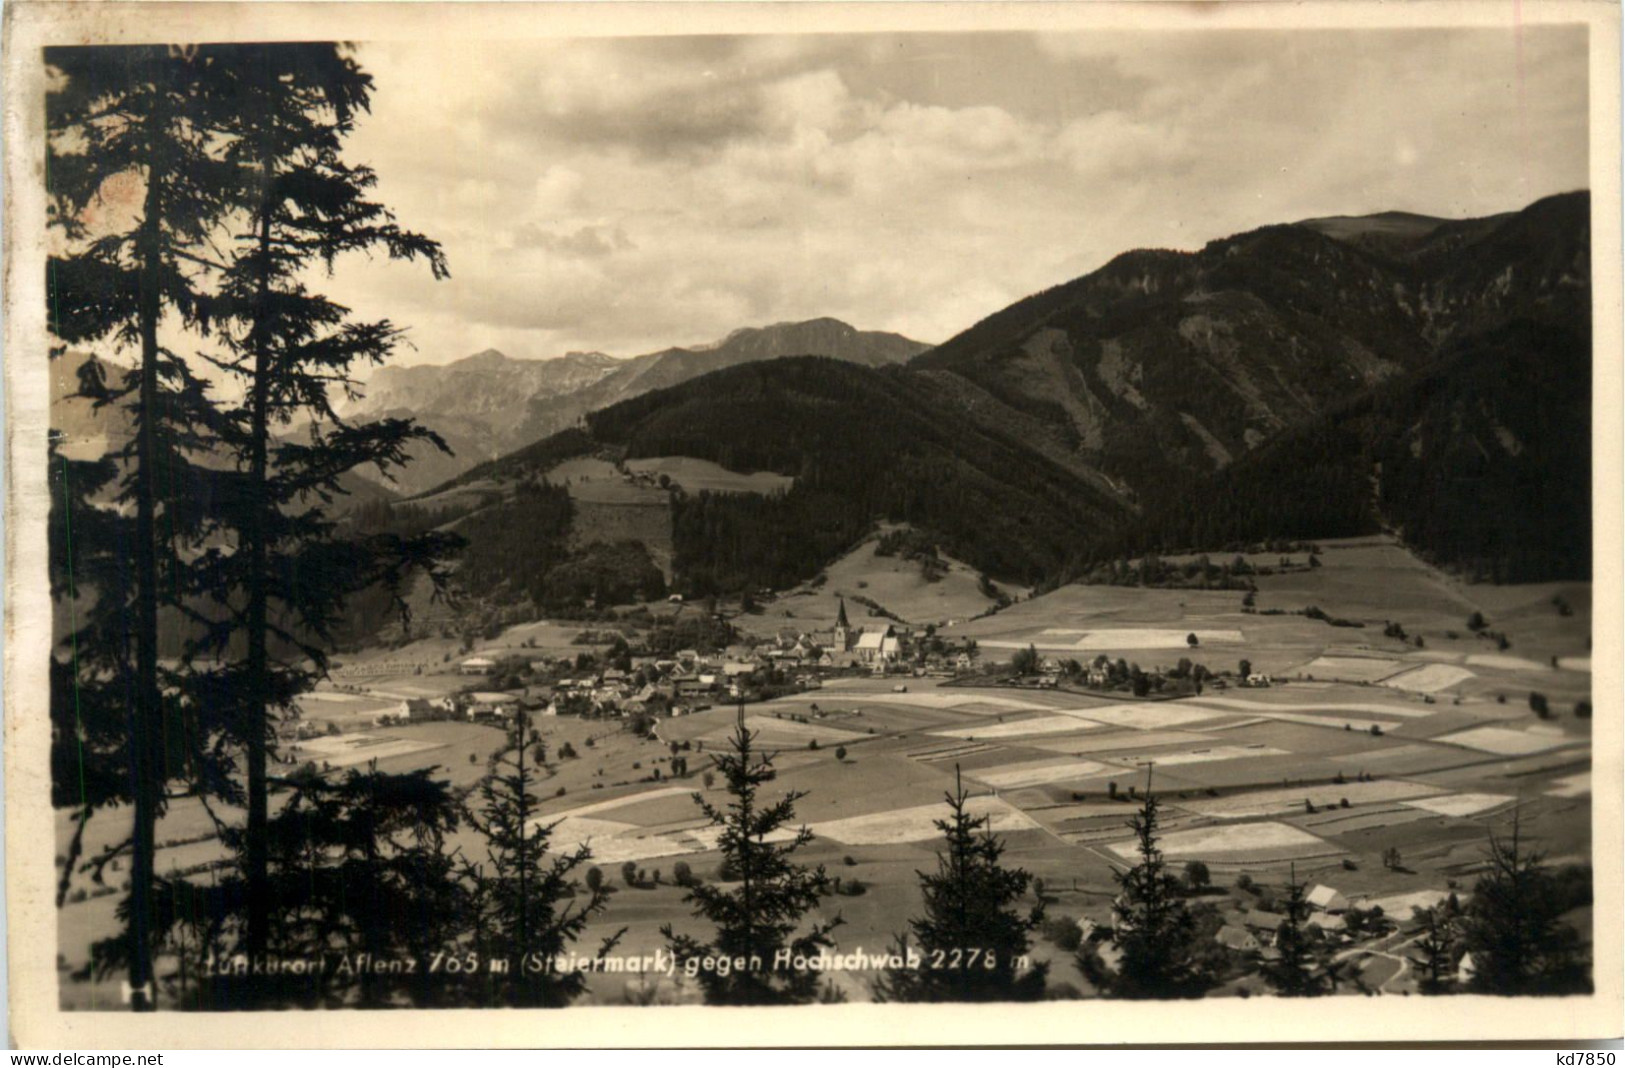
843, 629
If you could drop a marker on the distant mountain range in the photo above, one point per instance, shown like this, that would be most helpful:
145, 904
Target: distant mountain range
1164, 363
1319, 379
1316, 379
489, 404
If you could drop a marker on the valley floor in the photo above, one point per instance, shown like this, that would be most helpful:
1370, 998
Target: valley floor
1361, 746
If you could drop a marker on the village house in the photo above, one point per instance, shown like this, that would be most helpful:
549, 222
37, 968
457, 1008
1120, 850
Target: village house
1263, 924
415, 710
1330, 924
1237, 938
477, 665
1326, 899
492, 705
690, 684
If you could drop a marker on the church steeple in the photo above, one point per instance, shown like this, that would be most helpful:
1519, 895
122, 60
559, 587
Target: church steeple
840, 620
843, 629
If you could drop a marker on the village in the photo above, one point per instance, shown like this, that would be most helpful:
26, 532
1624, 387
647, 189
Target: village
1283, 751
619, 681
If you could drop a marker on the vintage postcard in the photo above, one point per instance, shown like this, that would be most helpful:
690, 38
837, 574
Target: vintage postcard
923, 523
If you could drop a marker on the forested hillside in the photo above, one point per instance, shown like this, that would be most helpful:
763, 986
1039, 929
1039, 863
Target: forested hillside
1164, 364
1321, 379
862, 445
1480, 460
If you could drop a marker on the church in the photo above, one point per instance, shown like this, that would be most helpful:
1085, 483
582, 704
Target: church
872, 645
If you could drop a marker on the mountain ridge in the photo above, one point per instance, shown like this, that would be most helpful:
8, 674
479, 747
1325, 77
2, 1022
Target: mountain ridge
488, 404
1162, 362
1167, 377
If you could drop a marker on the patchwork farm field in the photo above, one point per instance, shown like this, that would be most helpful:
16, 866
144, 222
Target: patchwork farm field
1324, 776
952, 595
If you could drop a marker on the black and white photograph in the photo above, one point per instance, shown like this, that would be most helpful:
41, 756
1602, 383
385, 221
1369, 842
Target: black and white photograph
1077, 511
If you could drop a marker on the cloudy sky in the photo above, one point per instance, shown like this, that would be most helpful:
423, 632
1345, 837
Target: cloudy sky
627, 194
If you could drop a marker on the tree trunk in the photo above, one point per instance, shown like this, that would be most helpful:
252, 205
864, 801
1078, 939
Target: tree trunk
258, 874
146, 713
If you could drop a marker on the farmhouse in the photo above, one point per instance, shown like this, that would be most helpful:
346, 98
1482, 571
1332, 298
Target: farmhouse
492, 705
688, 685
415, 709
477, 665
1326, 899
1237, 938
1263, 923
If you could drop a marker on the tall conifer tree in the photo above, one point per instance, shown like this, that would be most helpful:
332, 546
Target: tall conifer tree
526, 894
1152, 926
972, 935
135, 190
1513, 926
288, 574
1301, 969
758, 917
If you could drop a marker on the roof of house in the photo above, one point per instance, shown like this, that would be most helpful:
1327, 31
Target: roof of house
1233, 937
479, 661
1326, 897
871, 639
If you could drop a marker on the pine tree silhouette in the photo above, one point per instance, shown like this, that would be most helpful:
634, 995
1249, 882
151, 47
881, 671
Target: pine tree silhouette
972, 934
1152, 926
527, 900
758, 918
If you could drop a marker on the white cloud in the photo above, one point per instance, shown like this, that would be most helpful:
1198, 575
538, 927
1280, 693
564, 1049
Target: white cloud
629, 194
